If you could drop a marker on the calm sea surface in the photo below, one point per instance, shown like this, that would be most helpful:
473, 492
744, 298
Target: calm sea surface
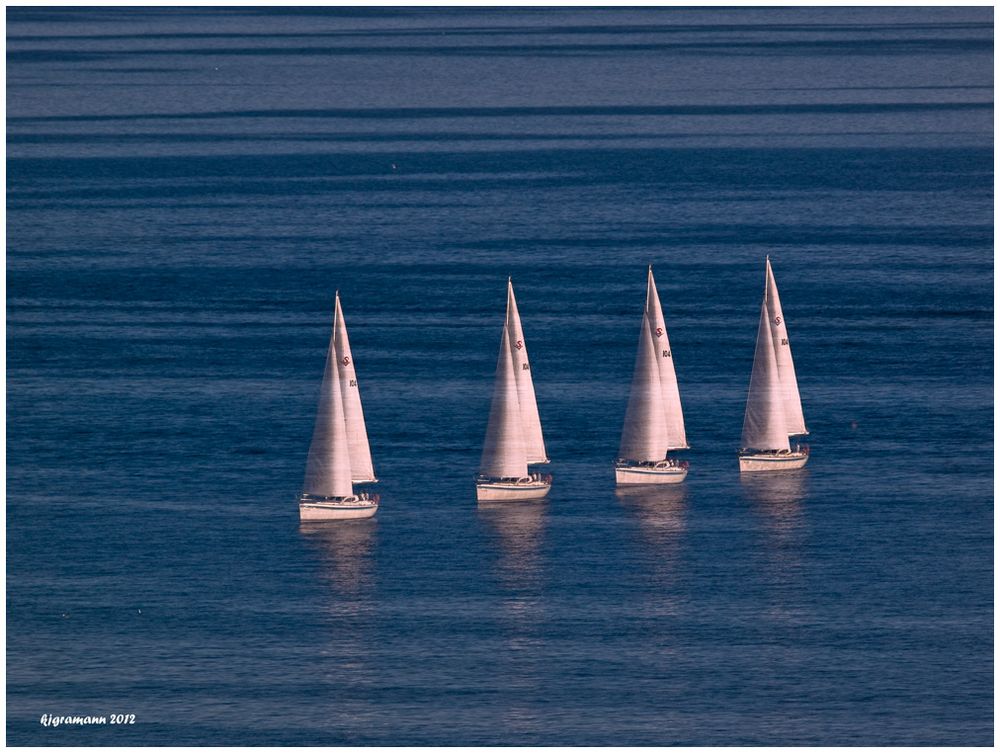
187, 189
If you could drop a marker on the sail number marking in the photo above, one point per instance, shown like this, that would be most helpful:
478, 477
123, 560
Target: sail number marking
353, 383
666, 354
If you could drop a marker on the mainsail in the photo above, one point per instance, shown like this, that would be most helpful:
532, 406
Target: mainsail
328, 468
534, 445
644, 435
764, 425
783, 353
354, 418
668, 378
504, 454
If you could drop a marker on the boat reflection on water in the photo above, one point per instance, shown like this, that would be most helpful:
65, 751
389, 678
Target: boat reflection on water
518, 527
777, 498
661, 513
777, 501
661, 509
345, 550
342, 650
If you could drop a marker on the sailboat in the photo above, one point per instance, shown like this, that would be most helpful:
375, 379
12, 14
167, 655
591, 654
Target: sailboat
514, 430
654, 420
774, 408
339, 455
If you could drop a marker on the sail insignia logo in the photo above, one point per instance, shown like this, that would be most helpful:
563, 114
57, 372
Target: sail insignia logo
346, 360
519, 344
659, 332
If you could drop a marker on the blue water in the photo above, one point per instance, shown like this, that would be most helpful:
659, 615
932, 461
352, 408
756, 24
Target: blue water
188, 187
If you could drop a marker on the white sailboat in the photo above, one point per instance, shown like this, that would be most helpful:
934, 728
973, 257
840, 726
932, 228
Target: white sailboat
654, 420
339, 454
514, 431
774, 409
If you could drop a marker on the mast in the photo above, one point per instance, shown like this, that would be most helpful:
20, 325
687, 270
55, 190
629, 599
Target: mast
357, 434
644, 436
328, 467
764, 421
783, 353
504, 453
531, 423
668, 378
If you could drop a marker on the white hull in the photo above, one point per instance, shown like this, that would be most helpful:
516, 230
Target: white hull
337, 510
640, 475
496, 491
768, 462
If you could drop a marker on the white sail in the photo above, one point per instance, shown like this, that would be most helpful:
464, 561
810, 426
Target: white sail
644, 435
357, 435
665, 360
783, 353
764, 421
328, 468
530, 422
504, 454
